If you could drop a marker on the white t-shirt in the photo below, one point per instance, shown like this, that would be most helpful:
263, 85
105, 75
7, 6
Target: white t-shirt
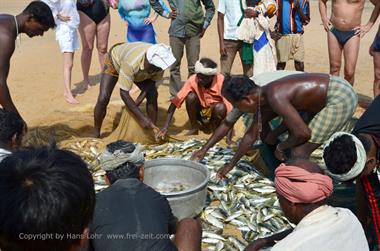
232, 14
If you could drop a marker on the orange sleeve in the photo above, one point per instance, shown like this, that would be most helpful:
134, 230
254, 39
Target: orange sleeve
182, 94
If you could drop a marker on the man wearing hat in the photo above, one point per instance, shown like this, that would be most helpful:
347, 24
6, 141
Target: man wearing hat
302, 190
137, 63
202, 93
356, 156
130, 215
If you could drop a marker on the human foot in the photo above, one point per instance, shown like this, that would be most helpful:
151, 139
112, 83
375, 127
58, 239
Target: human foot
70, 99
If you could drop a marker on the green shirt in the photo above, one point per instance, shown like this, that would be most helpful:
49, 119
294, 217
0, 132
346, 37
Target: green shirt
190, 19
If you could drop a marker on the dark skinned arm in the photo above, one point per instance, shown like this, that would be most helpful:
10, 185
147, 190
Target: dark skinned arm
299, 132
6, 51
267, 241
161, 134
143, 120
305, 19
271, 137
222, 48
219, 134
246, 143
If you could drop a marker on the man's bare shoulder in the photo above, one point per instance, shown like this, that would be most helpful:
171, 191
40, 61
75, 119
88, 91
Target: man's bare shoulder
7, 34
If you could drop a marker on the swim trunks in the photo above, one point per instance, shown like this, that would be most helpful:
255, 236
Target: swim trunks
376, 43
342, 36
341, 102
97, 10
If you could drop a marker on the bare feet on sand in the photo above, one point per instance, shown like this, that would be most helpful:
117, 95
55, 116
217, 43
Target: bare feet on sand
70, 99
192, 132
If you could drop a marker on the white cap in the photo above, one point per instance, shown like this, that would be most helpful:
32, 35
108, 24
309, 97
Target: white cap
160, 55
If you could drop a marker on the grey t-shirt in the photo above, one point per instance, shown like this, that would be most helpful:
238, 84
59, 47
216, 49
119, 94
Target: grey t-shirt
261, 80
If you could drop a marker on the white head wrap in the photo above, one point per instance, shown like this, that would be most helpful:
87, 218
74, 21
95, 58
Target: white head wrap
110, 161
360, 159
199, 68
160, 55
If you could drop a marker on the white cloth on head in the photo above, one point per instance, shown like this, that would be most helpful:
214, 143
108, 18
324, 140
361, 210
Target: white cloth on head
199, 68
160, 55
361, 158
109, 161
4, 153
326, 228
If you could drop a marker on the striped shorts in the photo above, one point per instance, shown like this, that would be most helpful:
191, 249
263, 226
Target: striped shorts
340, 106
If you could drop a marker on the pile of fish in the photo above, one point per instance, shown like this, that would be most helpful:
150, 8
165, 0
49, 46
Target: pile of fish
238, 210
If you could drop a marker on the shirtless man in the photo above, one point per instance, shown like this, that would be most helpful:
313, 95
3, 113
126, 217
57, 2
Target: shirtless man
330, 102
344, 30
33, 21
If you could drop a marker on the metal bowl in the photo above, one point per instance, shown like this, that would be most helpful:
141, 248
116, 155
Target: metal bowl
186, 203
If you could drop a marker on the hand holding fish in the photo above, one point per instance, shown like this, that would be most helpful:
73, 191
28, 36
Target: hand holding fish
161, 134
256, 245
198, 155
221, 174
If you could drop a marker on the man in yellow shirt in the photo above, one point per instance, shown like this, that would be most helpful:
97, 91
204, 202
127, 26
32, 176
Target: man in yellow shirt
137, 63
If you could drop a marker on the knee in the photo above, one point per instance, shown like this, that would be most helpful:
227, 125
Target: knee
335, 67
220, 110
102, 49
151, 93
191, 98
349, 74
87, 48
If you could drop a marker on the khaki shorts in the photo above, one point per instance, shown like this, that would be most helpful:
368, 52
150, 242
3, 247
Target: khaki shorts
290, 47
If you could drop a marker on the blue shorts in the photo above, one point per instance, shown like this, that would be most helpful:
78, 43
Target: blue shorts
376, 43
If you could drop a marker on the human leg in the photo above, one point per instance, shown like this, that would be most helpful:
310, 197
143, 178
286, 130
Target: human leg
281, 66
177, 44
219, 112
107, 84
350, 53
283, 51
68, 61
193, 108
376, 64
247, 68
87, 30
102, 34
149, 88
299, 66
188, 235
226, 61
335, 53
193, 48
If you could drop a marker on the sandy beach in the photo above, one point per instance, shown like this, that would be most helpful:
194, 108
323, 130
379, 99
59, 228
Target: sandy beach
36, 76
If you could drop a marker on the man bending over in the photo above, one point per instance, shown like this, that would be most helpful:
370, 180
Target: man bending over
328, 100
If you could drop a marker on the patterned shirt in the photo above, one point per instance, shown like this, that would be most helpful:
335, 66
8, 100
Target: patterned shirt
190, 19
288, 19
128, 59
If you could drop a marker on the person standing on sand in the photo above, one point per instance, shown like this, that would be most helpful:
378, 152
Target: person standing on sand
67, 20
188, 25
344, 30
35, 19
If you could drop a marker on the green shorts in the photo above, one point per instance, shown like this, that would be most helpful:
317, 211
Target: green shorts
340, 106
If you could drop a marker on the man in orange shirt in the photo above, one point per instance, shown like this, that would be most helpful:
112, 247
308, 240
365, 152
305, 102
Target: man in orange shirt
205, 104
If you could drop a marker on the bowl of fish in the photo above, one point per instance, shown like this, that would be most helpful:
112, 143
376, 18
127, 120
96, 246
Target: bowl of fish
182, 182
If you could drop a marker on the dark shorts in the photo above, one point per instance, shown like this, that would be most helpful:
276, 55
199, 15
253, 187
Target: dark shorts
342, 36
376, 43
